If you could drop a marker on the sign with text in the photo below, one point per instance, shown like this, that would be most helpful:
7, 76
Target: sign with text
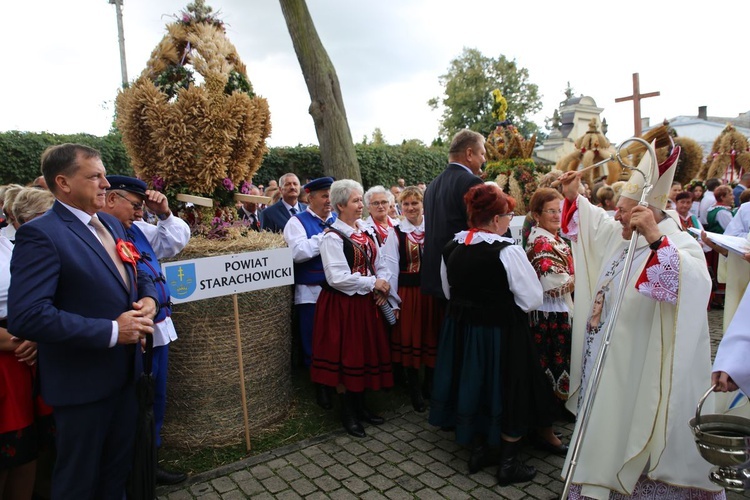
208, 277
516, 225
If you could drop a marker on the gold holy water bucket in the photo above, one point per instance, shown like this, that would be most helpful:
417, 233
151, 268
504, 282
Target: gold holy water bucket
724, 441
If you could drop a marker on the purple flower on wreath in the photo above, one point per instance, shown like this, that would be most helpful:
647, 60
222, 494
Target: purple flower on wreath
244, 188
158, 183
216, 221
228, 184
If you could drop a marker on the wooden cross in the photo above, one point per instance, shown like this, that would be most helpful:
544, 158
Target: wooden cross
636, 98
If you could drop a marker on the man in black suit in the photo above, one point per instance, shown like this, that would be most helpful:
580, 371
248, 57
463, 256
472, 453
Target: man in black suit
250, 212
444, 207
74, 291
275, 217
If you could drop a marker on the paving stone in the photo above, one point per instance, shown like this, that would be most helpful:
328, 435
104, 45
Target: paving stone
251, 487
385, 437
277, 463
510, 492
303, 486
442, 456
343, 494
404, 435
361, 469
411, 468
223, 484
542, 478
324, 460
371, 459
274, 484
393, 456
343, 441
542, 466
373, 495
463, 483
409, 483
403, 448
311, 451
483, 493
330, 447
390, 471
380, 482
241, 475
422, 445
338, 471
356, 449
180, 495
429, 436
264, 496
459, 465
311, 470
453, 493
234, 495
414, 428
432, 481
209, 496
318, 495
297, 459
428, 494
398, 493
420, 458
327, 483
261, 472
288, 473
485, 477
375, 445
288, 495
449, 446
355, 485
538, 491
440, 469
201, 489
391, 426
345, 457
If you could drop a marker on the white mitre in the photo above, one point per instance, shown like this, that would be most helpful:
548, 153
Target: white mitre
660, 178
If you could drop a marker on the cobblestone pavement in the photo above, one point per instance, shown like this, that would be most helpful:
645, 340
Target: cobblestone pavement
404, 458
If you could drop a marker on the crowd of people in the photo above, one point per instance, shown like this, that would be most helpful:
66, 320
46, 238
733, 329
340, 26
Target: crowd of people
422, 286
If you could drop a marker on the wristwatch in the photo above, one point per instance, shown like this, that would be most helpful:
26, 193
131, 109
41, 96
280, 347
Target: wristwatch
656, 244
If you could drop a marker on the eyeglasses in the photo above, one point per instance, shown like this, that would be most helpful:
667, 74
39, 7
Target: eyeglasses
138, 207
379, 203
509, 214
552, 211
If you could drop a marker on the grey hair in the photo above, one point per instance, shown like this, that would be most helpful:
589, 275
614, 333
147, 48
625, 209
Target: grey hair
31, 202
281, 179
342, 190
375, 190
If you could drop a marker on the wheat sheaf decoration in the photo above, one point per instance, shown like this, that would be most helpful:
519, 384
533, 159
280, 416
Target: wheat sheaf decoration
191, 122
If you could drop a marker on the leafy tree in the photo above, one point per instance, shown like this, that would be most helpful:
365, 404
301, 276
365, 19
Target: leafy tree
327, 103
468, 99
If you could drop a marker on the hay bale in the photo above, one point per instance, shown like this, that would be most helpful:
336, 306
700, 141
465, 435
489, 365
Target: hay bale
204, 407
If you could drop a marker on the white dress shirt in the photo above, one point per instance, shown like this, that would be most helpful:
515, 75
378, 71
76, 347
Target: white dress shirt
303, 249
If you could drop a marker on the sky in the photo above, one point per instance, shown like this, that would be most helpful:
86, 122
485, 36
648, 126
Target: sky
61, 64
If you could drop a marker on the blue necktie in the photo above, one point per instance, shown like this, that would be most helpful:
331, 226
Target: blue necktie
293, 210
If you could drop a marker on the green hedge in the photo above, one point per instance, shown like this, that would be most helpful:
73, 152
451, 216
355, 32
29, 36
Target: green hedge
380, 164
20, 153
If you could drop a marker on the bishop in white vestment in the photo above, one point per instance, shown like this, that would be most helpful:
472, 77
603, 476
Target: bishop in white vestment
659, 361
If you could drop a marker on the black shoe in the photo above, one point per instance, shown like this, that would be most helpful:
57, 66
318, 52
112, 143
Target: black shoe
417, 400
544, 445
478, 459
323, 396
365, 415
164, 476
511, 470
349, 415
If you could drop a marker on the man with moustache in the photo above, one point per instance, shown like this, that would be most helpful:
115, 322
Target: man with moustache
303, 233
275, 217
125, 199
74, 291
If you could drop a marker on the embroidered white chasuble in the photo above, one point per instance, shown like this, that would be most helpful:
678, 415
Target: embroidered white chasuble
659, 360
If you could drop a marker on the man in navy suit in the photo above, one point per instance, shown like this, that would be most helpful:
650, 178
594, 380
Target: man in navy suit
275, 217
74, 295
444, 207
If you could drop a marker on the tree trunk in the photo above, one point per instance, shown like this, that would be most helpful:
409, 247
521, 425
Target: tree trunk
327, 105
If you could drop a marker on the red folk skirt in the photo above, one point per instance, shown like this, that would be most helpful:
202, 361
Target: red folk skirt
350, 343
413, 342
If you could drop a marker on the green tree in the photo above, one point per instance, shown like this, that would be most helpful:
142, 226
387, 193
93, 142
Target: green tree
467, 100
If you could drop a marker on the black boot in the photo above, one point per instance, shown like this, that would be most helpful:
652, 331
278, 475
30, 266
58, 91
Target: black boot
399, 380
417, 401
363, 414
427, 382
511, 470
323, 396
478, 457
348, 416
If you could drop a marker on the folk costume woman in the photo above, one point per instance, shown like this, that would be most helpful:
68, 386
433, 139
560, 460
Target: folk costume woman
413, 345
351, 351
488, 383
377, 200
